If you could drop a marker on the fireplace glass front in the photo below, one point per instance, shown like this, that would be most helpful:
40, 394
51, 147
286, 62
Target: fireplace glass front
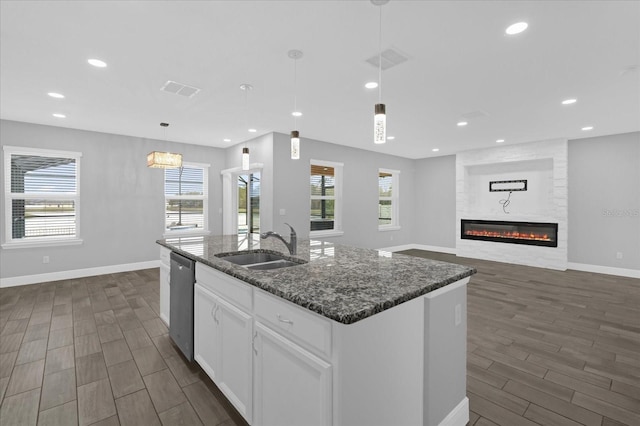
531, 233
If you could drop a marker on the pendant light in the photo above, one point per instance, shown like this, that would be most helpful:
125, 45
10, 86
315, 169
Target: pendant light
295, 135
245, 150
380, 117
164, 160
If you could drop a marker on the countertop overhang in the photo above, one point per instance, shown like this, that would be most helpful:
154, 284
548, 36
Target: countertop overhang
343, 283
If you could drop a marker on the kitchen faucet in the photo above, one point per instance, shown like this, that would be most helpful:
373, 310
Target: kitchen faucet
291, 245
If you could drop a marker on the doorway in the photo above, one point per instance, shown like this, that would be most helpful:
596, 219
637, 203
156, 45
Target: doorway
248, 212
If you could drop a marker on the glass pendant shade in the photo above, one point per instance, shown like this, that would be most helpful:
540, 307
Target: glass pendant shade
380, 124
245, 158
164, 160
295, 145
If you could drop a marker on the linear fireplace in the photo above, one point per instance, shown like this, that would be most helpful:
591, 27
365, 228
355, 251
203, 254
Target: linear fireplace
530, 233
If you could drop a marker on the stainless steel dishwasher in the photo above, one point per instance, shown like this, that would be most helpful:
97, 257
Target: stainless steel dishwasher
182, 279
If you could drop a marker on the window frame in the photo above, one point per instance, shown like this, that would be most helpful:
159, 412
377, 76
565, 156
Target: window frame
394, 198
9, 196
204, 198
337, 197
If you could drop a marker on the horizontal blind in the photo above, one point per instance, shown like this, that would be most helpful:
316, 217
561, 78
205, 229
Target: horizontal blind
32, 174
191, 183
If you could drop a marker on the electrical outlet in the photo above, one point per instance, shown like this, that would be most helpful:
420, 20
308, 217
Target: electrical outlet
619, 255
45, 259
458, 314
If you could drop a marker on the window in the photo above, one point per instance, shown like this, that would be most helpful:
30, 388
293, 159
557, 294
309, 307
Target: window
186, 199
42, 197
388, 191
326, 199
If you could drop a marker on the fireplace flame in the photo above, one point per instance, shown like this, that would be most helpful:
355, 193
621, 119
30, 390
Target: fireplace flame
507, 235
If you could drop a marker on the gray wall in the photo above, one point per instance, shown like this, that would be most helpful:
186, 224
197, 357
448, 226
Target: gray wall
360, 191
604, 200
122, 201
436, 201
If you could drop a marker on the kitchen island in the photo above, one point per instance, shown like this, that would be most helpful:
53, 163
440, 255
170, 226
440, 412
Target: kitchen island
345, 337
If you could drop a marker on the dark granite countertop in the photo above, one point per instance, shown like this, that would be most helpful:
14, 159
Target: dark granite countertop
343, 283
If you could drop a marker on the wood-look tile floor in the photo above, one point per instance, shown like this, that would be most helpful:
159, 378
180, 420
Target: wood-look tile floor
549, 347
544, 348
93, 351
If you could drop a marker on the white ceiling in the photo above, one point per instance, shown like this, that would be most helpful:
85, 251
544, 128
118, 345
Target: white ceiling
460, 62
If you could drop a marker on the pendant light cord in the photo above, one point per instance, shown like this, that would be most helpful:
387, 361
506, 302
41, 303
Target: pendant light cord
295, 93
380, 57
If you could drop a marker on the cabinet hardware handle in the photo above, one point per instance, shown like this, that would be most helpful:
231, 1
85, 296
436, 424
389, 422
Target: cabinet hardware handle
253, 343
284, 320
214, 311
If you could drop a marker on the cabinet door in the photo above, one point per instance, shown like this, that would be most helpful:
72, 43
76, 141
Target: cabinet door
206, 334
223, 347
292, 386
234, 375
165, 272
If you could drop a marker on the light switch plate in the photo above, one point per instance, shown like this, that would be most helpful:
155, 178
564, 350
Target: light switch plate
283, 212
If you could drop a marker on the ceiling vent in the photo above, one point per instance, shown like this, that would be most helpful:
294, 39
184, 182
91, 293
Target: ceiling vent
390, 58
179, 89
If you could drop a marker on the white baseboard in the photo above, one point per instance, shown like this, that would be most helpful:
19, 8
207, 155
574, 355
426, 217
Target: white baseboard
459, 416
76, 273
623, 272
438, 249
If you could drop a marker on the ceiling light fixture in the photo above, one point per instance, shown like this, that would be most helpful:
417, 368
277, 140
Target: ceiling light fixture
462, 123
295, 135
435, 149
587, 128
500, 141
58, 115
56, 95
390, 138
164, 160
97, 63
371, 85
245, 150
226, 140
516, 28
380, 114
569, 101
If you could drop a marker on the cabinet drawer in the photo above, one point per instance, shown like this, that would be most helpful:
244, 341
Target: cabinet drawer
308, 329
164, 256
224, 285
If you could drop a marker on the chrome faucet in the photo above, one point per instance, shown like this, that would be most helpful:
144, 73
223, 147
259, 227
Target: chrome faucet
292, 245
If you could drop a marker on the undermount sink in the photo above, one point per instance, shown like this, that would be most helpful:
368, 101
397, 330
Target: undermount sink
260, 261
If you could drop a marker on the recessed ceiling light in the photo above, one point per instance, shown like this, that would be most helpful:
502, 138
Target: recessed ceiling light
226, 140
569, 101
56, 95
58, 115
97, 63
371, 85
500, 141
390, 138
587, 128
296, 114
252, 130
435, 149
462, 123
516, 28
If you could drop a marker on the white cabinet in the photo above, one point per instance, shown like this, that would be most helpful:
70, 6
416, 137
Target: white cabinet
223, 347
165, 289
292, 386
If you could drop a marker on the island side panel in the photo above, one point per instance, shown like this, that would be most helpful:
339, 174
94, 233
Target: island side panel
445, 350
378, 368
